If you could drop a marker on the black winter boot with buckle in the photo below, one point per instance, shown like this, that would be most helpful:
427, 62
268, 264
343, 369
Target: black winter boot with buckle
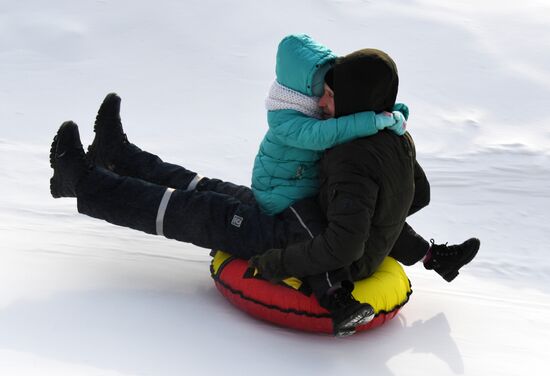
109, 138
346, 312
68, 161
446, 260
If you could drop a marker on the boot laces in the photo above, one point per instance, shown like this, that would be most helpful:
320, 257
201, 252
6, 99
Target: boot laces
443, 250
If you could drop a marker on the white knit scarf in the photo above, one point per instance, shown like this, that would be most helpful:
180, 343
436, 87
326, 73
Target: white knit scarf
282, 98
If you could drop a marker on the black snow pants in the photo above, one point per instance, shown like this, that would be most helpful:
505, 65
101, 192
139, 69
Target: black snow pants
147, 194
410, 247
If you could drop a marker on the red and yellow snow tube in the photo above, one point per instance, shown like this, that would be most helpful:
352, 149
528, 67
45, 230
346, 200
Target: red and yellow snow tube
387, 290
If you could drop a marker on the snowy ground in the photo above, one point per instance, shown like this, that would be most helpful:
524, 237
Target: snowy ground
81, 297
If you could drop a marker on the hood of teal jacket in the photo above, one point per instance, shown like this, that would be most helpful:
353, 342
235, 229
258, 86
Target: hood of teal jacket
302, 63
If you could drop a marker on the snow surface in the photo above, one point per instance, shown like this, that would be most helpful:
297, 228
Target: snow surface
81, 297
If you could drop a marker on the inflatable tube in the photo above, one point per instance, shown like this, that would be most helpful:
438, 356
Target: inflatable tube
387, 290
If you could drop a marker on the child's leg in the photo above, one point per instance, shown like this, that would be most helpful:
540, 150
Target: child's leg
146, 166
240, 192
134, 162
206, 219
112, 150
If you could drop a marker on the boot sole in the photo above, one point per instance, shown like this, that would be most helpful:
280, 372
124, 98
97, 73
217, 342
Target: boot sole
55, 181
362, 316
93, 156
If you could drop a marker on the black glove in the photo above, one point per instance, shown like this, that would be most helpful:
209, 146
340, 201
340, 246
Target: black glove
270, 265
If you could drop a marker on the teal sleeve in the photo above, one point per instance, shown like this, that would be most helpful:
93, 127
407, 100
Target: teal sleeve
300, 131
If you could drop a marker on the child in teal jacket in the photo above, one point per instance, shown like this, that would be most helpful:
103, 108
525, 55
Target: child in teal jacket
285, 169
286, 166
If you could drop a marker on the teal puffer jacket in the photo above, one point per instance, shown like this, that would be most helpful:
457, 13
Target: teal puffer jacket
285, 169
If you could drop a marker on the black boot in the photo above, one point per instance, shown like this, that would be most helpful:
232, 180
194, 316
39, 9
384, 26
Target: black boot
447, 260
109, 138
111, 150
68, 161
346, 312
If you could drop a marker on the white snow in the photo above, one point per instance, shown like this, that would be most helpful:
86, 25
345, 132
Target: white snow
82, 297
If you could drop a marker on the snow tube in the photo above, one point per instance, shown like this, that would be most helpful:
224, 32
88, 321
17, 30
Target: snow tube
387, 290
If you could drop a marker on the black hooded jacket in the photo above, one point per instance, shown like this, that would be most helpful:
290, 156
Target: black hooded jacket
367, 185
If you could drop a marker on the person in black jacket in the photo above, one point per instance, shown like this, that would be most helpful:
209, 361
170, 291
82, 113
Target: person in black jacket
126, 186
